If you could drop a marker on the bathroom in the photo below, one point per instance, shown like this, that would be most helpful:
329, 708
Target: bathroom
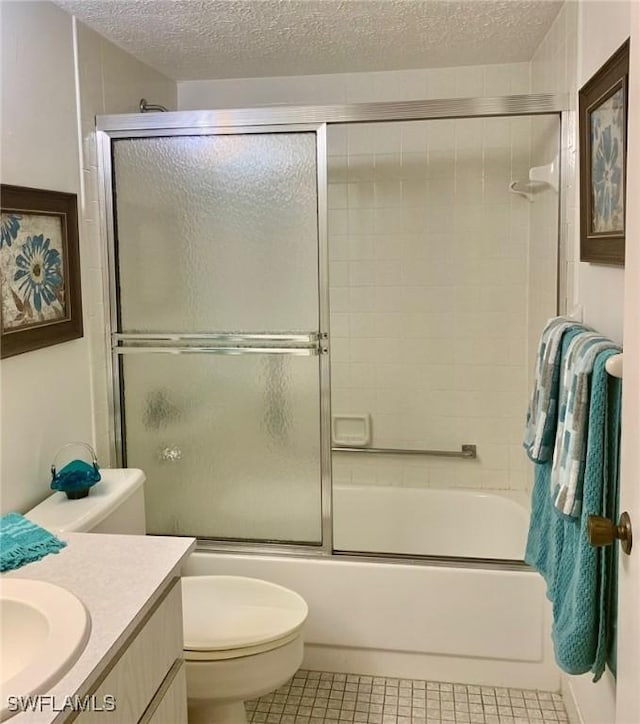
55, 84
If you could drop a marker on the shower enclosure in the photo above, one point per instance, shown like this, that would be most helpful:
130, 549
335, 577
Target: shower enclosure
221, 330
321, 321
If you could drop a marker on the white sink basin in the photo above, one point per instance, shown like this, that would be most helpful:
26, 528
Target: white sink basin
44, 628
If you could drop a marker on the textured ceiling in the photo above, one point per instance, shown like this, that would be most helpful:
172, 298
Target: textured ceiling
199, 39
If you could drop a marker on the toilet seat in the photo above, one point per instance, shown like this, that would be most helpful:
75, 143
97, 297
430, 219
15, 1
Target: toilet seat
226, 617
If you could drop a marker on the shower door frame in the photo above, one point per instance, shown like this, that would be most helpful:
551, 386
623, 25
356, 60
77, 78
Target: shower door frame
285, 119
315, 344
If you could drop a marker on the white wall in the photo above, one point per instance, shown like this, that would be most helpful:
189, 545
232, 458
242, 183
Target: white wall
48, 397
397, 85
581, 39
46, 394
603, 25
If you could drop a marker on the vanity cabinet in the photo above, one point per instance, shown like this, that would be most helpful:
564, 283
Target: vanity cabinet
145, 682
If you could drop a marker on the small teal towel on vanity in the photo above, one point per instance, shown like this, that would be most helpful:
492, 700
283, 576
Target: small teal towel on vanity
22, 542
581, 580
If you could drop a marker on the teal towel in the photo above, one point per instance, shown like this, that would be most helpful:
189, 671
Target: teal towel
540, 429
22, 542
569, 455
581, 580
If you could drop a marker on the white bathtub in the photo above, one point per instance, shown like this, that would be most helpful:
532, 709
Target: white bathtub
424, 521
449, 623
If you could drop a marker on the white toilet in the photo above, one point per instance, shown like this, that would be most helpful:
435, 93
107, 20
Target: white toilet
242, 636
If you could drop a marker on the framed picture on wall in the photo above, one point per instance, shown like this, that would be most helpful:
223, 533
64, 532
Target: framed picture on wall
603, 157
39, 269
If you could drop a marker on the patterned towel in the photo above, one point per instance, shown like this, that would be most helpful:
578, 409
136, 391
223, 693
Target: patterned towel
22, 542
567, 473
542, 414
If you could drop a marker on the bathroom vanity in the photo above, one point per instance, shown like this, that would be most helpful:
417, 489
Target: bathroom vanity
131, 669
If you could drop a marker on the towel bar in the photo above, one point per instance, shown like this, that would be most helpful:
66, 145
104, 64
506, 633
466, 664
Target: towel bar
614, 365
466, 451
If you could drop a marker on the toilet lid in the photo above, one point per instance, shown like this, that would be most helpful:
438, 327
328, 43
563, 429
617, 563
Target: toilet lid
232, 612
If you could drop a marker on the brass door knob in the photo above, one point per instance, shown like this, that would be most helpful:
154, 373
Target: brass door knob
602, 531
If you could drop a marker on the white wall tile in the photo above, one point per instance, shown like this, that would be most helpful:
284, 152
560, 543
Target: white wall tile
469, 81
442, 83
497, 80
438, 256
337, 196
438, 296
520, 78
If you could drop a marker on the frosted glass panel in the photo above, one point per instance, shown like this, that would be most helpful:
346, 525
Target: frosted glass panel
230, 444
217, 232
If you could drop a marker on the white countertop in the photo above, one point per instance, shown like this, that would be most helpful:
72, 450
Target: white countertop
118, 578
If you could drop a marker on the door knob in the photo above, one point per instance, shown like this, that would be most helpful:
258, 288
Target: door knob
602, 531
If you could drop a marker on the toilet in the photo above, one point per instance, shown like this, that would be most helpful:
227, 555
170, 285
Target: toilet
242, 636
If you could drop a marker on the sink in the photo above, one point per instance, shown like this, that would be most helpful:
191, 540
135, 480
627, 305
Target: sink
44, 629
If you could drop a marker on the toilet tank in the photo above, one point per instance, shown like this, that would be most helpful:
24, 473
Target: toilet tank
114, 505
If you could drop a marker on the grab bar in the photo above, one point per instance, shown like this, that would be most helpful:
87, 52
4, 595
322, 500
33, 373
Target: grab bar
466, 451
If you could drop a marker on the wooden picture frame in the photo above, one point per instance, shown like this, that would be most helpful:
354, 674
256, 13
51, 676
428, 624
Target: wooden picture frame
40, 293
603, 158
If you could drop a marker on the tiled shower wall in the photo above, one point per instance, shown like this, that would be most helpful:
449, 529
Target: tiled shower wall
429, 297
409, 345
542, 276
554, 70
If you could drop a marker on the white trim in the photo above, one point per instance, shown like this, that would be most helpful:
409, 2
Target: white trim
570, 701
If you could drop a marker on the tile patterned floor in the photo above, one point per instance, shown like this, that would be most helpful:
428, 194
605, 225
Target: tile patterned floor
316, 697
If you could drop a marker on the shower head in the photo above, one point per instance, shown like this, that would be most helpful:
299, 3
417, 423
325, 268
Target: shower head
146, 107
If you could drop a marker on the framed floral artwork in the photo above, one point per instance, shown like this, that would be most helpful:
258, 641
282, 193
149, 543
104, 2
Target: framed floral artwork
39, 269
603, 157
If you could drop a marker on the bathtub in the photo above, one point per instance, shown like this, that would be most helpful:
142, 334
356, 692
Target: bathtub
424, 521
480, 624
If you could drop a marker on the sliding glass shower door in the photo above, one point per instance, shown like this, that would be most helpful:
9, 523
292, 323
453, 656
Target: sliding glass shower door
219, 338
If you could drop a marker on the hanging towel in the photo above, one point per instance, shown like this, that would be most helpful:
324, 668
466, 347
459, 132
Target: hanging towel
546, 527
542, 412
567, 473
580, 578
22, 542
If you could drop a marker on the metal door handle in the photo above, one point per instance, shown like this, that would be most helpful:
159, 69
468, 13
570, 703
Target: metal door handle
602, 531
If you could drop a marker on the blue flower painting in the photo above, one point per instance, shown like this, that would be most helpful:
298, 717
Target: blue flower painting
32, 271
10, 228
38, 272
607, 172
